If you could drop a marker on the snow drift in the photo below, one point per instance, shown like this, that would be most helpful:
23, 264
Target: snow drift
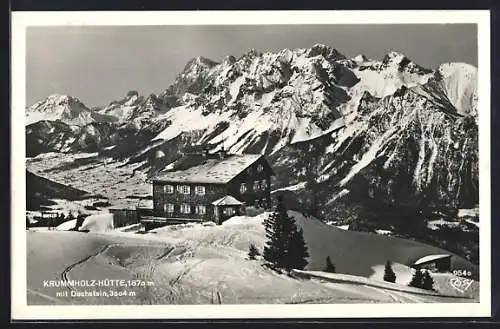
98, 223
66, 226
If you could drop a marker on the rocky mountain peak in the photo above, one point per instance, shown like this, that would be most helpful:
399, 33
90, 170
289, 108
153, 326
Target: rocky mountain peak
59, 107
198, 63
54, 100
394, 57
132, 93
228, 60
360, 58
327, 52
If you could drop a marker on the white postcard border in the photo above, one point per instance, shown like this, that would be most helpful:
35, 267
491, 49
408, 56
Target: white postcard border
22, 20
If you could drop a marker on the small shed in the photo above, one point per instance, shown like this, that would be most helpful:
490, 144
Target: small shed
123, 216
226, 207
434, 263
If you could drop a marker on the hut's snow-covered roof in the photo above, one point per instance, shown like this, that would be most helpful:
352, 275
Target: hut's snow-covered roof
430, 258
210, 170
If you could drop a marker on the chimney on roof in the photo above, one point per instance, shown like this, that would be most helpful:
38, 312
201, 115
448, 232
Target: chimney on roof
222, 153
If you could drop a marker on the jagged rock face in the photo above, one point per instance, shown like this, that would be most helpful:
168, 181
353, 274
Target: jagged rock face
414, 153
48, 136
135, 108
270, 99
192, 79
400, 150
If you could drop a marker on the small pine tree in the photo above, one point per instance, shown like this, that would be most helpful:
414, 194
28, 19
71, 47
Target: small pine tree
60, 219
70, 217
427, 281
417, 279
79, 220
252, 251
329, 267
285, 246
389, 274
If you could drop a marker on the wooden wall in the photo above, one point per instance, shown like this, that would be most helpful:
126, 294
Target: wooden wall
249, 176
124, 217
212, 193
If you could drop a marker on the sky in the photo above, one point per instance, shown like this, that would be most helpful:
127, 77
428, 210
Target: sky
101, 64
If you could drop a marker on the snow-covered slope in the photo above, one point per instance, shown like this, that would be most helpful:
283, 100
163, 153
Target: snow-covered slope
459, 81
207, 264
383, 78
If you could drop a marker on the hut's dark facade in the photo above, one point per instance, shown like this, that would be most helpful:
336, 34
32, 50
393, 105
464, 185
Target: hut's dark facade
188, 191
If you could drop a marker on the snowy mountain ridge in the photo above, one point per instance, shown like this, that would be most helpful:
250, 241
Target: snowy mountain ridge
59, 107
372, 118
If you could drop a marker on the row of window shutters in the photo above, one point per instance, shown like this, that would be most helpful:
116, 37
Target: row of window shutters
258, 185
199, 209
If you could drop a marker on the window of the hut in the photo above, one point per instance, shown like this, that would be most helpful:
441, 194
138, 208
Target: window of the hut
201, 209
168, 208
200, 190
168, 189
263, 184
243, 188
256, 185
260, 167
185, 208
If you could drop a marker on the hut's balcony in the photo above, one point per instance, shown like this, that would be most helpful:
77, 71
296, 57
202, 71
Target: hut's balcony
150, 220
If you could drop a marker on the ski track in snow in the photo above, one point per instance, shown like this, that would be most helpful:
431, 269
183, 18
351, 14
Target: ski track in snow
64, 274
395, 296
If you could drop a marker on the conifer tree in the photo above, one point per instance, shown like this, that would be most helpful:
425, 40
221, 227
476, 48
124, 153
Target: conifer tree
285, 247
273, 250
252, 251
389, 274
427, 281
329, 267
417, 279
60, 219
